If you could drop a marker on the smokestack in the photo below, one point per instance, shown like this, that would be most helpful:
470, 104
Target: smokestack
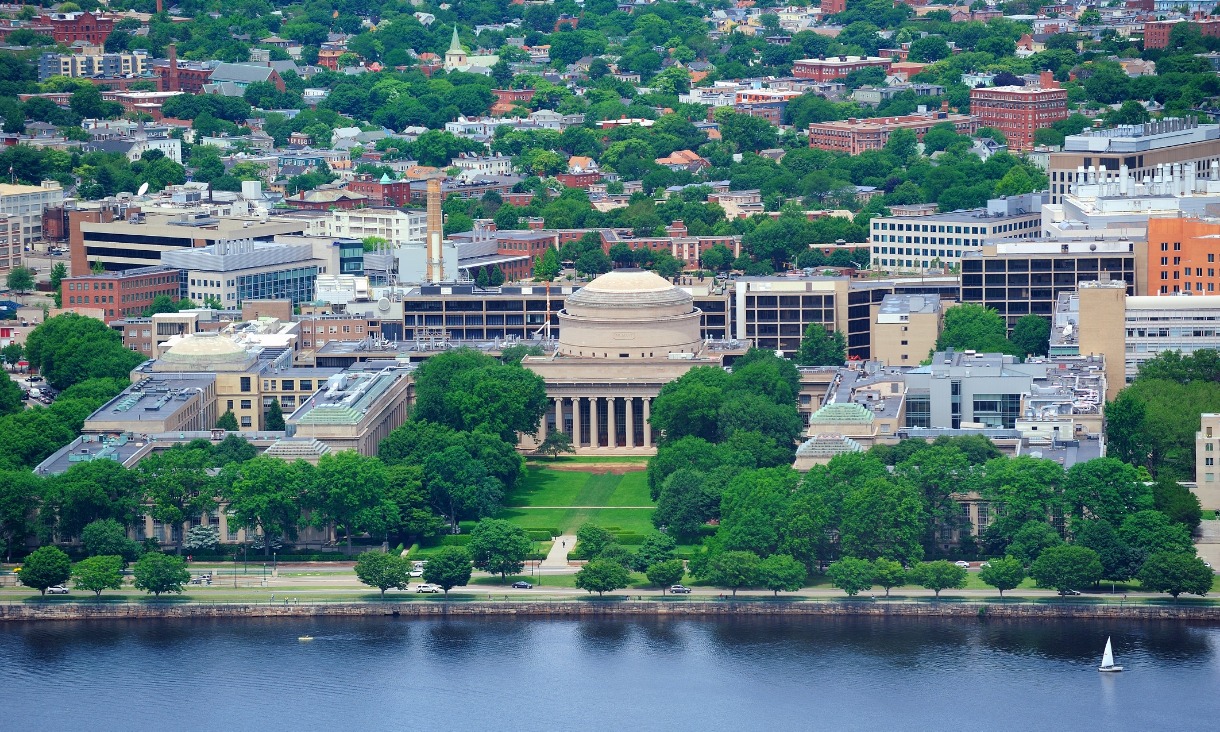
171, 82
159, 9
436, 231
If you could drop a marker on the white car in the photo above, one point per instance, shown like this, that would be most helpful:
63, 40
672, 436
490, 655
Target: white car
429, 588
57, 590
984, 564
417, 573
962, 564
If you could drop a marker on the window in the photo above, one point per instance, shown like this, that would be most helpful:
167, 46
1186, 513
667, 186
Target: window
245, 403
245, 422
245, 383
287, 385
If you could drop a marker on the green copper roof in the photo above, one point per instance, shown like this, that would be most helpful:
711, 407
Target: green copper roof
837, 413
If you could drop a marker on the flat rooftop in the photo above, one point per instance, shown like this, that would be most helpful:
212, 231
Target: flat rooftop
900, 304
152, 399
347, 399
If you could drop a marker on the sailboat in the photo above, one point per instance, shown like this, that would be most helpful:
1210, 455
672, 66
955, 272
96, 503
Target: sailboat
1107, 660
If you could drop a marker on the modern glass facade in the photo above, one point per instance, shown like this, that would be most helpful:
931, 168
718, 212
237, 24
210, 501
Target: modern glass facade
295, 284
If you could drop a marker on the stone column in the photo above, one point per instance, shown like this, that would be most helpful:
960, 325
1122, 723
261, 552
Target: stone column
630, 422
594, 423
559, 414
611, 424
542, 429
647, 424
576, 438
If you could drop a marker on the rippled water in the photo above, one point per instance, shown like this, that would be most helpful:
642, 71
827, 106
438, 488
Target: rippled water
778, 674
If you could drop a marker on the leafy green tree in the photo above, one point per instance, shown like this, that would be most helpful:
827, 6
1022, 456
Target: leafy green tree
1175, 573
267, 493
820, 348
592, 539
467, 390
665, 573
99, 489
156, 573
781, 572
734, 570
1118, 562
1003, 574
1177, 503
881, 518
973, 327
546, 265
71, 348
1066, 568
98, 573
555, 443
107, 537
851, 575
178, 483
1032, 334
349, 491
227, 421
655, 548
13, 353
1151, 532
938, 575
602, 576
46, 567
1034, 538
448, 568
499, 547
202, 540
383, 571
888, 574
20, 280
20, 492
1106, 489
274, 419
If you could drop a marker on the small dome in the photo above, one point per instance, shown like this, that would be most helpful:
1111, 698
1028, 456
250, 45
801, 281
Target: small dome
629, 280
206, 348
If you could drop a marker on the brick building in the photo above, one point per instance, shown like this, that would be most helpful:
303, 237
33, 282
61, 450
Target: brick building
507, 99
1156, 33
120, 294
186, 76
836, 67
1182, 256
830, 7
1020, 111
854, 136
383, 191
68, 28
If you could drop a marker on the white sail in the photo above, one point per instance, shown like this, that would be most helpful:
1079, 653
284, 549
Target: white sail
1107, 659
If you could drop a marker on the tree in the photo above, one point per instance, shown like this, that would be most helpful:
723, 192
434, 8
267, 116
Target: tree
881, 518
1003, 574
499, 546
1175, 573
46, 567
12, 353
938, 575
602, 576
227, 421
888, 574
851, 575
665, 574
1033, 538
20, 492
556, 442
349, 491
156, 573
781, 572
71, 348
1066, 568
1031, 335
99, 573
820, 348
202, 539
656, 547
592, 539
20, 280
546, 266
267, 492
448, 568
734, 570
973, 327
274, 420
383, 571
107, 537
1150, 532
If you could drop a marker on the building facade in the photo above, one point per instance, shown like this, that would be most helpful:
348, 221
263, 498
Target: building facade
836, 67
237, 271
939, 241
854, 136
28, 203
120, 294
1020, 111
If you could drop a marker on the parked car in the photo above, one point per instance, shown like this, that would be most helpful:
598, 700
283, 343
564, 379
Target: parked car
962, 564
429, 588
57, 590
984, 564
522, 585
679, 590
1069, 592
417, 573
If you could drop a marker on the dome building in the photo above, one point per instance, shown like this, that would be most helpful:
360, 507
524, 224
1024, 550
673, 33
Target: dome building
622, 337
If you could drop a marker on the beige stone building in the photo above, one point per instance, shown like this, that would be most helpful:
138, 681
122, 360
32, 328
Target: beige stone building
622, 337
1207, 453
356, 410
905, 328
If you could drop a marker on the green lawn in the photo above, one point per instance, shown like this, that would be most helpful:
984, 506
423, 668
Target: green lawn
591, 460
563, 500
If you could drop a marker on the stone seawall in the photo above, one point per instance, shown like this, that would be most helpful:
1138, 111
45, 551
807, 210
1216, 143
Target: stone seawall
605, 609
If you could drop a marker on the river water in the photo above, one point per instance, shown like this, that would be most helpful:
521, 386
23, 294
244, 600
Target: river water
519, 674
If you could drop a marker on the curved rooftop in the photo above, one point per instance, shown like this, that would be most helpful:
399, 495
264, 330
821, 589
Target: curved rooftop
206, 350
626, 288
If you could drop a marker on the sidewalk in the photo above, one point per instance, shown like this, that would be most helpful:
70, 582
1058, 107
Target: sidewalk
557, 558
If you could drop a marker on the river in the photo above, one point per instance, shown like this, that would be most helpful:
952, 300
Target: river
517, 674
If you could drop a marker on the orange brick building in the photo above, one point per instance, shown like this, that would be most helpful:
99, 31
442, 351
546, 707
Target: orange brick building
1182, 255
1156, 33
836, 67
854, 136
68, 28
1020, 111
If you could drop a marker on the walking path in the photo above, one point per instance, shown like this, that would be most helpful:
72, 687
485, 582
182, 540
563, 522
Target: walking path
557, 558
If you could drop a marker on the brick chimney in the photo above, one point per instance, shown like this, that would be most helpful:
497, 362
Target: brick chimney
677, 228
171, 82
159, 8
1047, 80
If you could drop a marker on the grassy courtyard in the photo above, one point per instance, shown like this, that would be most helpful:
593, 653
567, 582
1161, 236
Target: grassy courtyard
565, 499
